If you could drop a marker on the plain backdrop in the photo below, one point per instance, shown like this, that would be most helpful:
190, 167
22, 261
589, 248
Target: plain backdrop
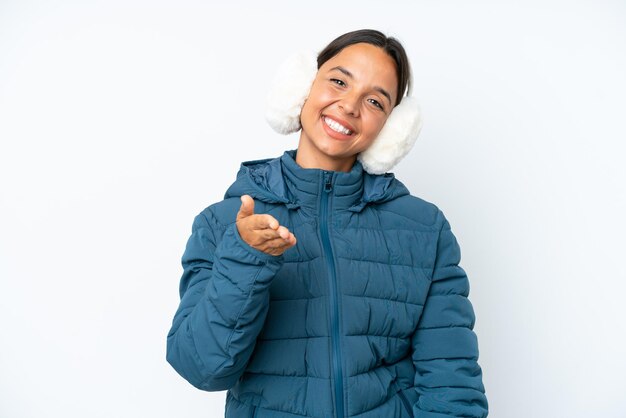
121, 120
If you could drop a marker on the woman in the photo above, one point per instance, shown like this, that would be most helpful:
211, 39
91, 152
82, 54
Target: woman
320, 287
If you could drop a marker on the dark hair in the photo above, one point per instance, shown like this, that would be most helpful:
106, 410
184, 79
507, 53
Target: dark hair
390, 45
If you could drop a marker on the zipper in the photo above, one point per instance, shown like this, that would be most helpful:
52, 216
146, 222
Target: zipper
406, 403
334, 306
254, 411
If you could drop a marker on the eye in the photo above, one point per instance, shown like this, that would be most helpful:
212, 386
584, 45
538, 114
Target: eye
377, 104
337, 81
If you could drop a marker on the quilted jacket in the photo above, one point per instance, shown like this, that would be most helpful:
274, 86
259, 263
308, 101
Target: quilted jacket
366, 316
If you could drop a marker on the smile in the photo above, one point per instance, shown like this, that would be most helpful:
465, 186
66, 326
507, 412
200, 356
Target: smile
336, 126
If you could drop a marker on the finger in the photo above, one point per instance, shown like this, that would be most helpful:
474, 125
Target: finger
283, 232
246, 208
275, 245
268, 234
290, 241
265, 221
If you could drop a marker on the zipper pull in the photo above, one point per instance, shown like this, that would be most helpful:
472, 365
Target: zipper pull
328, 185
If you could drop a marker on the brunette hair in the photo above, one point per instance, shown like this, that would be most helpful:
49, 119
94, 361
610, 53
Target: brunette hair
390, 45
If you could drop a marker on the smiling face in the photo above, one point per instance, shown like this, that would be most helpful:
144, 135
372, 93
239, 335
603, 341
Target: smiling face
349, 102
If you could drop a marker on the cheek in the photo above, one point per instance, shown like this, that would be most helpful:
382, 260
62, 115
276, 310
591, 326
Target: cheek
375, 124
320, 95
308, 109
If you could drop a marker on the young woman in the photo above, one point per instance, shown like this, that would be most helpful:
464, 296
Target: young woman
319, 287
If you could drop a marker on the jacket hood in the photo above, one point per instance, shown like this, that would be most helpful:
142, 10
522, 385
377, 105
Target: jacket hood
282, 180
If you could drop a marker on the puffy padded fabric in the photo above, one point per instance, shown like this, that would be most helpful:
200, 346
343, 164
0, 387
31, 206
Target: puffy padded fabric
367, 316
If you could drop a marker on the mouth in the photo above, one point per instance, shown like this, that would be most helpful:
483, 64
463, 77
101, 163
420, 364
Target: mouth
336, 129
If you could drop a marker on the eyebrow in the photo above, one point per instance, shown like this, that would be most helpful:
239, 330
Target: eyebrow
349, 74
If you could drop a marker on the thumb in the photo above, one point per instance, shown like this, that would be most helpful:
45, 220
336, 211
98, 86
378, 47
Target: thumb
247, 207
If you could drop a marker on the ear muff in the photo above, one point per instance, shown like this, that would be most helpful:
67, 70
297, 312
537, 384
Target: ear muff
290, 89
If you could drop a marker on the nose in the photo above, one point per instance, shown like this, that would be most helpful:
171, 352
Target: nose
350, 104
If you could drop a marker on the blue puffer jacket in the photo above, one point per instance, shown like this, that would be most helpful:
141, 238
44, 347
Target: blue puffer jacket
367, 316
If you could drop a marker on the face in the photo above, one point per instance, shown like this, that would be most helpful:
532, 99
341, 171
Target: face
349, 102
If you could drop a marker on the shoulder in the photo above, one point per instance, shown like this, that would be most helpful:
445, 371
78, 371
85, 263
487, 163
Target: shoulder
415, 209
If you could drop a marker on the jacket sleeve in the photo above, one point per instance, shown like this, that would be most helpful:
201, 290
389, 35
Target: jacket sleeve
224, 292
448, 378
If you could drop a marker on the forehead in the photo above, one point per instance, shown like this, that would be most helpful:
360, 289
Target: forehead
368, 63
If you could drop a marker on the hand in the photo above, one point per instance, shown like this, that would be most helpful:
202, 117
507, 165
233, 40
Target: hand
263, 231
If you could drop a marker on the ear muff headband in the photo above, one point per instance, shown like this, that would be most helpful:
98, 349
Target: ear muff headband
291, 87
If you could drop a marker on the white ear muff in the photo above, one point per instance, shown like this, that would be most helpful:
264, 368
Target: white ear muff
395, 139
290, 89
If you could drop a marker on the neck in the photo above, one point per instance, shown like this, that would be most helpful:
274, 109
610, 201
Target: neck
308, 159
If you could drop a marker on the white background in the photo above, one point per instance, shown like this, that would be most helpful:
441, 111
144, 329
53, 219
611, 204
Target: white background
121, 120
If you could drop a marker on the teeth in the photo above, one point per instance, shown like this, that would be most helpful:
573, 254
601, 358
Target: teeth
337, 127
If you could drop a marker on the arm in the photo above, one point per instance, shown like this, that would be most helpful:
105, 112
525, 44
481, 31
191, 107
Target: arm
224, 294
445, 348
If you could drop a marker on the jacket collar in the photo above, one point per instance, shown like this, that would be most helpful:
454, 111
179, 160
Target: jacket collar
282, 180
